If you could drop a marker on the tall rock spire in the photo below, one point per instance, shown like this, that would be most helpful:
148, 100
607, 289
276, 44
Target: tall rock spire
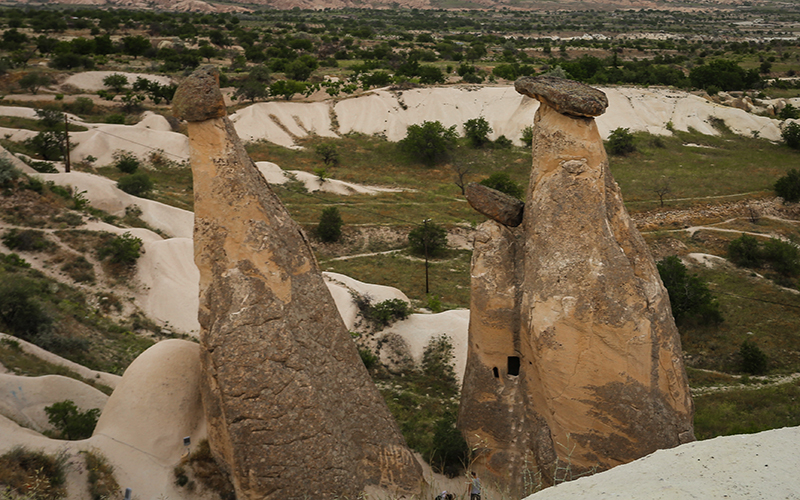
574, 361
292, 412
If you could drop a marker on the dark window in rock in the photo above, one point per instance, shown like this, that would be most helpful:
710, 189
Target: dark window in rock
496, 372
513, 365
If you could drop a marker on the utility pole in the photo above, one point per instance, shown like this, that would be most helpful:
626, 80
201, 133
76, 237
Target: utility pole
66, 144
425, 245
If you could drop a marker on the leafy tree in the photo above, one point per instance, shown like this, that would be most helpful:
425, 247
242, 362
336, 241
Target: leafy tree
620, 142
327, 153
745, 251
783, 257
527, 136
788, 186
301, 68
124, 249
503, 182
428, 239
287, 88
723, 74
126, 162
430, 142
450, 450
116, 82
34, 81
50, 118
136, 184
251, 90
789, 111
754, 361
47, 144
389, 311
71, 422
20, 311
430, 75
208, 51
329, 228
791, 135
477, 130
136, 45
689, 296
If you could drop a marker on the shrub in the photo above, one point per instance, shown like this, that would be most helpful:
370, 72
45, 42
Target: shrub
126, 162
477, 130
437, 360
788, 186
527, 135
429, 143
48, 145
329, 228
70, 421
428, 239
124, 249
32, 474
50, 118
450, 451
503, 142
19, 309
327, 153
102, 483
745, 252
44, 167
791, 135
26, 240
387, 312
789, 112
503, 182
754, 361
689, 296
8, 172
369, 359
136, 184
783, 257
81, 106
620, 142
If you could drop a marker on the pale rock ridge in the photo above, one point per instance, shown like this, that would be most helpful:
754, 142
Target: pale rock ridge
574, 357
291, 409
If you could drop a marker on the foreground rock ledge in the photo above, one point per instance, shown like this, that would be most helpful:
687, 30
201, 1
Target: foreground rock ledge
574, 362
292, 412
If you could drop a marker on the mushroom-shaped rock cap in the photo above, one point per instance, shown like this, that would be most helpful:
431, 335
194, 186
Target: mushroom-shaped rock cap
565, 96
198, 97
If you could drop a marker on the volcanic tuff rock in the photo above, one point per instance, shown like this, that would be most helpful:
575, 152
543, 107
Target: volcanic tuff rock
574, 361
494, 204
291, 409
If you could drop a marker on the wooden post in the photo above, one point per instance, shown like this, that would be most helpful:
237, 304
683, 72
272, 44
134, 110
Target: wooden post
66, 145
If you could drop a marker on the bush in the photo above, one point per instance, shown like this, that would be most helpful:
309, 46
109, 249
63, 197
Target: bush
329, 228
387, 312
477, 130
20, 311
783, 257
81, 106
503, 182
788, 186
369, 359
8, 172
327, 153
437, 360
26, 240
689, 296
102, 483
791, 135
620, 142
745, 251
428, 239
503, 142
450, 451
44, 167
429, 143
22, 469
124, 249
49, 145
136, 184
71, 423
126, 162
754, 361
789, 112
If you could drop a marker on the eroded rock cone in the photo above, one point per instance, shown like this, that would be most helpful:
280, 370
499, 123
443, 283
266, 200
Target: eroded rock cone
291, 409
574, 361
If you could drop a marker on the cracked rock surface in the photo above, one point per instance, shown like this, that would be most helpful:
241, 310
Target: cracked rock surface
292, 412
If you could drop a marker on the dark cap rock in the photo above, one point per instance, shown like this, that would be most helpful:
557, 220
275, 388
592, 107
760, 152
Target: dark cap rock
565, 96
198, 97
496, 205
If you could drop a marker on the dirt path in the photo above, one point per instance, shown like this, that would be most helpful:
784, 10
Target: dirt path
756, 382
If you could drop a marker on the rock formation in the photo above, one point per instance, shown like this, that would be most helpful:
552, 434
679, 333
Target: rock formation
291, 410
574, 361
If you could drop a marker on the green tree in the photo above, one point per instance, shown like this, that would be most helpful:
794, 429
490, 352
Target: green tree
138, 184
789, 111
70, 421
287, 88
527, 136
430, 142
136, 45
689, 296
124, 249
34, 81
301, 68
503, 182
745, 251
791, 135
50, 118
20, 310
620, 142
328, 153
126, 162
788, 186
116, 82
754, 361
48, 144
329, 228
723, 74
8, 172
429, 238
477, 130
